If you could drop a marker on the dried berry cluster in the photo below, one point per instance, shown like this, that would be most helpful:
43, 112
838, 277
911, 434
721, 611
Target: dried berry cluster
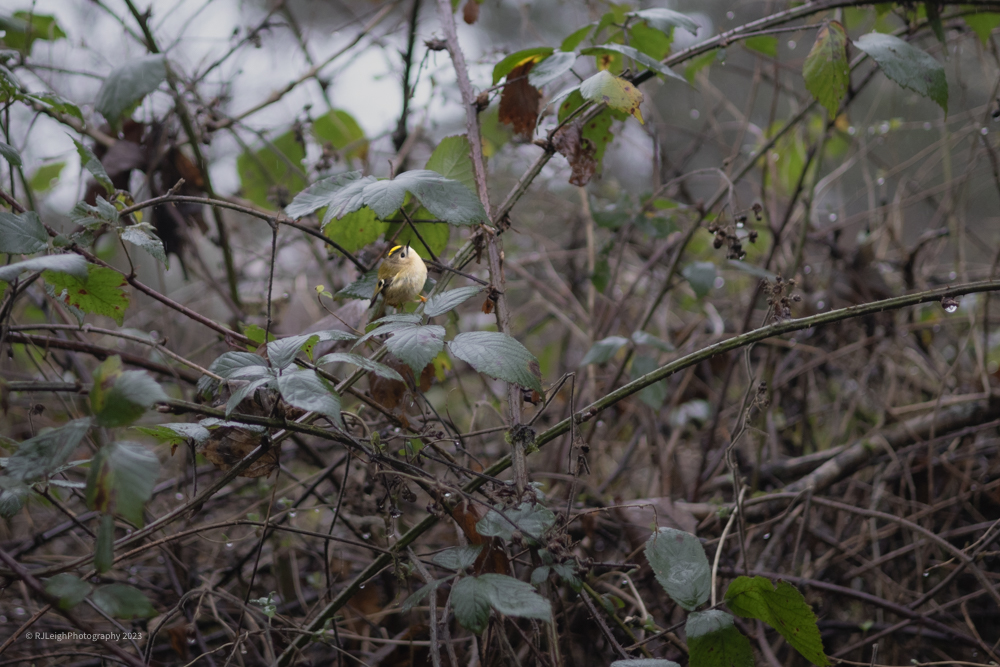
780, 298
726, 235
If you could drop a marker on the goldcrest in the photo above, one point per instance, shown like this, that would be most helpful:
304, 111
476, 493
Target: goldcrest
401, 276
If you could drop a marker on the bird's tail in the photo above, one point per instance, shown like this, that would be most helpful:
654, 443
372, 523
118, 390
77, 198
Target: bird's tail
379, 310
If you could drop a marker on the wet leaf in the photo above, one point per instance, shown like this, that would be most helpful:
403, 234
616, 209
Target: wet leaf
497, 355
125, 86
714, 641
680, 565
22, 233
826, 70
614, 91
69, 588
907, 65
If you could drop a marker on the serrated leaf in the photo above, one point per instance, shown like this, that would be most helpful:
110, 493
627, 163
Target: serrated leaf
123, 601
514, 597
69, 588
94, 166
100, 292
701, 277
340, 194
385, 326
781, 607
826, 71
616, 92
243, 389
9, 153
551, 68
144, 235
439, 304
452, 158
714, 641
361, 362
127, 85
22, 233
68, 264
497, 355
416, 346
305, 390
121, 480
418, 595
514, 60
458, 558
666, 19
119, 397
281, 353
40, 456
229, 363
602, 351
446, 199
271, 175
680, 565
94, 217
907, 65
639, 57
530, 519
104, 545
471, 601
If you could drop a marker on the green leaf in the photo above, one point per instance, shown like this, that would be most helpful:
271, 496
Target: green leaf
45, 176
471, 601
57, 104
104, 546
640, 58
575, 38
781, 607
714, 641
119, 397
982, 23
701, 277
123, 601
362, 288
69, 588
23, 28
616, 92
666, 19
598, 130
644, 662
826, 70
305, 390
94, 166
12, 500
643, 338
144, 235
340, 130
907, 65
361, 362
100, 292
699, 63
273, 174
766, 44
416, 346
121, 480
531, 519
653, 395
127, 85
551, 68
446, 199
94, 217
458, 558
680, 565
40, 456
499, 356
281, 353
9, 153
22, 233
507, 65
229, 363
356, 230
178, 433
452, 158
439, 304
68, 265
654, 43
602, 351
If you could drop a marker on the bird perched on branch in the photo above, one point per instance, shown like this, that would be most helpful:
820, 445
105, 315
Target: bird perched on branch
401, 276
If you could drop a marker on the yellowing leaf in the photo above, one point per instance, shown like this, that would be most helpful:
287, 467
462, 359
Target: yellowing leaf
614, 91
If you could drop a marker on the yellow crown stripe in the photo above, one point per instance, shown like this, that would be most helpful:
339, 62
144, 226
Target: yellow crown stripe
394, 250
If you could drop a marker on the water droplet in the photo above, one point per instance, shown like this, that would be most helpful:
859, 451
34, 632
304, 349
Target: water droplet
807, 269
739, 225
730, 15
448, 495
984, 131
927, 126
880, 180
952, 275
316, 511
949, 304
179, 496
229, 545
767, 536
19, 611
951, 309
791, 44
362, 586
624, 582
695, 114
832, 217
191, 640
243, 650
821, 305
884, 128
719, 282
395, 513
852, 130
600, 423
365, 536
292, 514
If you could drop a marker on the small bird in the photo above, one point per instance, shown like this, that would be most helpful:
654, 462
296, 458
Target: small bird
401, 276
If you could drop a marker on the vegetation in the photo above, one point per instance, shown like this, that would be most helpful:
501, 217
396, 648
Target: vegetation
706, 373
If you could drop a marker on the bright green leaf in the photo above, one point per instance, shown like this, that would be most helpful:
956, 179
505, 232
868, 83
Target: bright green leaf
341, 131
356, 230
766, 44
273, 174
714, 641
507, 65
982, 23
101, 292
825, 70
575, 38
45, 176
452, 158
23, 28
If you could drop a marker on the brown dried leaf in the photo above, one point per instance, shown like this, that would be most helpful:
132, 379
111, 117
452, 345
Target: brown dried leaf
579, 151
470, 13
179, 633
519, 101
228, 445
492, 558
